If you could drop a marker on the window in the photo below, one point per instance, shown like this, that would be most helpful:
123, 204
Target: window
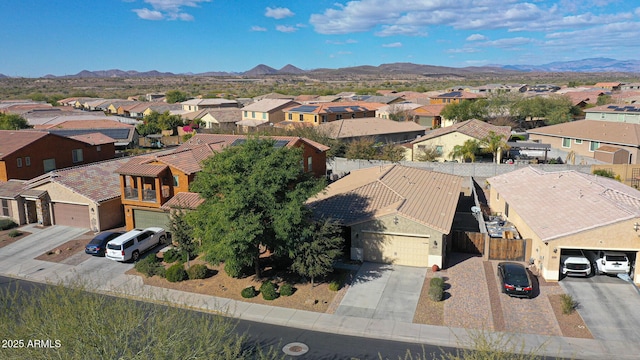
27, 160
506, 209
290, 116
301, 117
439, 149
324, 118
245, 113
315, 118
339, 117
4, 210
566, 142
19, 162
309, 164
577, 141
253, 114
353, 115
49, 164
264, 116
98, 148
594, 145
176, 180
77, 155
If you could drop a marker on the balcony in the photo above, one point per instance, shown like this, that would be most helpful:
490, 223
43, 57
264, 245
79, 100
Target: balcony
149, 195
131, 193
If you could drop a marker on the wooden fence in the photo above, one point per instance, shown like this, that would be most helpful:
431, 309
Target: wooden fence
468, 242
497, 249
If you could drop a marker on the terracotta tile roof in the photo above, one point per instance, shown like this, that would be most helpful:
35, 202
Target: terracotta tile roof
97, 181
269, 105
224, 115
11, 141
594, 130
140, 166
430, 110
335, 107
187, 160
367, 127
11, 189
474, 128
93, 138
222, 140
183, 200
557, 204
427, 197
87, 124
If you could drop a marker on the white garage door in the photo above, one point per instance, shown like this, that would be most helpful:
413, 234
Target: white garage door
71, 215
396, 249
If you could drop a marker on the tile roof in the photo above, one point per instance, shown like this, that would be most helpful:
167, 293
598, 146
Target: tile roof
458, 95
594, 130
87, 124
224, 115
226, 140
370, 126
269, 105
615, 109
430, 109
557, 204
97, 181
474, 128
427, 197
11, 189
187, 160
140, 166
11, 141
183, 200
335, 107
95, 138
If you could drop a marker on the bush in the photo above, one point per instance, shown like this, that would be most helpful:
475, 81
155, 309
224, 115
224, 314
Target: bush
232, 269
150, 266
6, 224
197, 271
172, 255
436, 282
335, 285
249, 292
436, 293
568, 304
14, 233
268, 290
286, 289
176, 273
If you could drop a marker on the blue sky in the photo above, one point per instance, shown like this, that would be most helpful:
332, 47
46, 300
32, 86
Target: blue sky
64, 37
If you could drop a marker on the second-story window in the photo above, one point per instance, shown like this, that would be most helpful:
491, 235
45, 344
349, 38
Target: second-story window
77, 155
253, 114
27, 160
176, 180
301, 117
290, 116
19, 162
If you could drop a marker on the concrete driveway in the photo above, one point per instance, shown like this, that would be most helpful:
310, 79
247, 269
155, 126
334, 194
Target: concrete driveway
382, 291
609, 307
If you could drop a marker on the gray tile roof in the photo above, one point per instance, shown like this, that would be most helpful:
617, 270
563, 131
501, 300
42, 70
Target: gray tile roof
594, 130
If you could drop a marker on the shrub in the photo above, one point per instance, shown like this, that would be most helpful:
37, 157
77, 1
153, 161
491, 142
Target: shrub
268, 290
14, 233
149, 266
197, 271
232, 269
286, 289
568, 304
436, 282
172, 255
249, 292
335, 285
436, 293
6, 224
176, 273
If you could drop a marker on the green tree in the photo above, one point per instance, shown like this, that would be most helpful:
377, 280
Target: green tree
182, 233
156, 122
468, 150
363, 148
427, 153
465, 110
604, 100
175, 96
392, 152
255, 201
492, 143
12, 122
320, 245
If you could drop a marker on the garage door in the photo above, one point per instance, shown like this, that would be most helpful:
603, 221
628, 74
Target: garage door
71, 215
396, 249
145, 218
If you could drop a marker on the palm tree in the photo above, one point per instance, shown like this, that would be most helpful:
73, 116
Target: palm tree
468, 150
492, 143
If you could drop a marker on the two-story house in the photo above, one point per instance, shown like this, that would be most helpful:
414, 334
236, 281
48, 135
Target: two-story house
263, 113
199, 104
151, 184
316, 114
26, 154
453, 97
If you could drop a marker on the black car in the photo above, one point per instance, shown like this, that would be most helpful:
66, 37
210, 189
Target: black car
515, 279
98, 245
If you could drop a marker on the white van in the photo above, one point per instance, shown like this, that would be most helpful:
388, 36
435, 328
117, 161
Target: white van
131, 244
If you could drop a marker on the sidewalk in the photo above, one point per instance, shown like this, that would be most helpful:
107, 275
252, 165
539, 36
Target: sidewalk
22, 265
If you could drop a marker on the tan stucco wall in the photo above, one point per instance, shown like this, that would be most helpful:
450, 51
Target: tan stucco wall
447, 141
581, 149
110, 214
58, 193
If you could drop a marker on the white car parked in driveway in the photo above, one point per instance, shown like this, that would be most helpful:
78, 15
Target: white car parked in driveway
131, 244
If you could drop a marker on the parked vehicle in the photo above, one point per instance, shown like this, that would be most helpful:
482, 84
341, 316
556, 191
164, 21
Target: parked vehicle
515, 279
575, 263
98, 245
609, 262
130, 245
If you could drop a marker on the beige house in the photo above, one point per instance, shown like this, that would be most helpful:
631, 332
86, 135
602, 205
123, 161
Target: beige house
443, 140
567, 210
394, 214
381, 130
267, 110
200, 104
585, 137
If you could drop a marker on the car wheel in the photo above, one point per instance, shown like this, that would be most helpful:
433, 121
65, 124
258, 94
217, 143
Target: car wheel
163, 239
135, 256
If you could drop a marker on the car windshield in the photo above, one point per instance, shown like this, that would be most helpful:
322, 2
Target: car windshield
616, 258
95, 241
113, 247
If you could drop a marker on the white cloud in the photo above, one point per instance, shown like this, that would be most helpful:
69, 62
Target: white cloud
336, 42
476, 37
278, 13
168, 9
393, 30
258, 28
392, 45
286, 29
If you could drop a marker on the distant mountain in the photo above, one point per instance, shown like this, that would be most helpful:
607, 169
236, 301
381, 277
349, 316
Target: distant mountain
261, 70
3, 76
290, 69
117, 73
585, 65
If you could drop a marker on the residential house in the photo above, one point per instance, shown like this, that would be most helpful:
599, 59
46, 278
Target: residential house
630, 86
498, 88
149, 183
584, 137
265, 112
612, 86
383, 131
125, 135
557, 212
443, 140
20, 107
394, 214
429, 116
399, 112
454, 97
224, 118
614, 113
83, 196
381, 99
199, 104
26, 154
315, 114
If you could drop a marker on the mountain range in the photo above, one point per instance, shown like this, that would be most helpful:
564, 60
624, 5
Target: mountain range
593, 65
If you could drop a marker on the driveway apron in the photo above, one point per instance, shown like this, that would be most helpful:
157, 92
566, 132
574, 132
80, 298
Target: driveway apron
383, 291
